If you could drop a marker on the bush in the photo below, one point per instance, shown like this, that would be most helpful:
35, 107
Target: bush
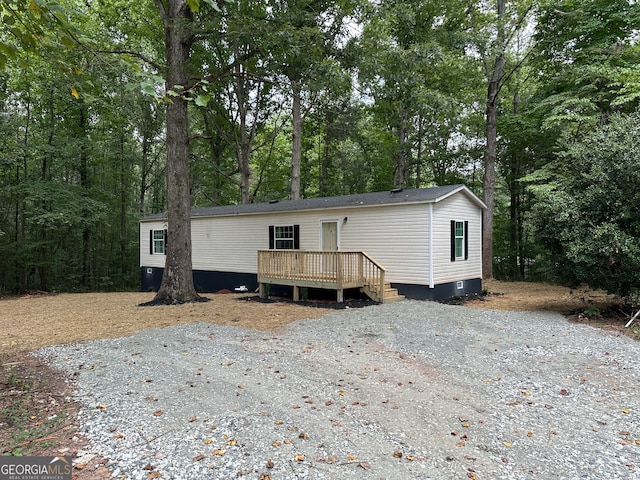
588, 215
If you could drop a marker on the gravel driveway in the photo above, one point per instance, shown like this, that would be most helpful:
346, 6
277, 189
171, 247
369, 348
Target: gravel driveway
411, 390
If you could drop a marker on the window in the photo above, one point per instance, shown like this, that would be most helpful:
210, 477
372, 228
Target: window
459, 240
284, 237
158, 242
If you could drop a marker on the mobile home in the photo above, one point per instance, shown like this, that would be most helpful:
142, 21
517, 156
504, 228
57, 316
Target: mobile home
427, 243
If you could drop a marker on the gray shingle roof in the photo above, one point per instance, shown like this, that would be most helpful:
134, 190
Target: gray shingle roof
418, 195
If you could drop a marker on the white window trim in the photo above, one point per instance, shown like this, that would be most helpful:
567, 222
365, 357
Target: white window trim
461, 238
156, 241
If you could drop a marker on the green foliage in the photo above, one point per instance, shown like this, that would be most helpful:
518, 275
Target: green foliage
588, 217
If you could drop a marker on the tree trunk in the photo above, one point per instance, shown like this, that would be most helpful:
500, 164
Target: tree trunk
177, 281
296, 151
401, 155
491, 148
123, 215
243, 144
84, 184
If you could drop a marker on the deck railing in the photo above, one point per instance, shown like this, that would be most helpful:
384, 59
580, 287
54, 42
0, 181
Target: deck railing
320, 269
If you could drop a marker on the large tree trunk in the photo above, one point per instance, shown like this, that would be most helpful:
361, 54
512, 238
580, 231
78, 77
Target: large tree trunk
489, 180
177, 282
296, 151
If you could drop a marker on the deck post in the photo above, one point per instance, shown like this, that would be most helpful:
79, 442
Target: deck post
262, 290
296, 293
381, 293
340, 298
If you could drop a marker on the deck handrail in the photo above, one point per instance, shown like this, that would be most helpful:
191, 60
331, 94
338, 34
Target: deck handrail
322, 269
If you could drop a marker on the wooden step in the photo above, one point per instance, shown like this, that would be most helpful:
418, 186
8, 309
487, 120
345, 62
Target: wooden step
390, 294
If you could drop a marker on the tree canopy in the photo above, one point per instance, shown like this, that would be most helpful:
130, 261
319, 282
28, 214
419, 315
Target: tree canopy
109, 112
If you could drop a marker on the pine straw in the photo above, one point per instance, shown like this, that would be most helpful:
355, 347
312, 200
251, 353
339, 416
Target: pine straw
526, 296
33, 321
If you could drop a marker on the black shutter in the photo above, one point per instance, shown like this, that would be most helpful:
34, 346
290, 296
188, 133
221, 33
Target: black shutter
453, 240
151, 242
165, 233
296, 237
466, 240
271, 237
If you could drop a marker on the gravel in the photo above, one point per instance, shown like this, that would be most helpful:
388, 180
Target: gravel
410, 390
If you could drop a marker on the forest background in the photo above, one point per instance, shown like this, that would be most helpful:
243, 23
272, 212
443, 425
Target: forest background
533, 104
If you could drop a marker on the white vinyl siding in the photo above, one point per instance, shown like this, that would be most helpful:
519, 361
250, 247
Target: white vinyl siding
461, 209
147, 229
397, 236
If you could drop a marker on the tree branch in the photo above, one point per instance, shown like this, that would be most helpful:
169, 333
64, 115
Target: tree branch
142, 57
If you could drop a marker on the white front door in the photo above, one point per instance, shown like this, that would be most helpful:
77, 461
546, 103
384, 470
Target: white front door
329, 240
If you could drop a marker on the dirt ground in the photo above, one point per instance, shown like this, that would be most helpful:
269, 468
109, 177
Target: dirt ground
39, 417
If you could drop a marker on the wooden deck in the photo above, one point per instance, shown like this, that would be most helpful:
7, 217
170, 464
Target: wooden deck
318, 269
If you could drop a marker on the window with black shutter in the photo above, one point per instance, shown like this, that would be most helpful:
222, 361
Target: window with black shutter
284, 237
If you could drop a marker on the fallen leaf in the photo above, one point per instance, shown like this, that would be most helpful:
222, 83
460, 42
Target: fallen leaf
298, 457
157, 413
80, 466
218, 452
507, 444
364, 466
624, 432
264, 476
529, 434
411, 458
460, 444
208, 441
278, 422
466, 425
288, 441
232, 442
564, 392
303, 436
624, 442
625, 410
276, 444
471, 475
397, 454
151, 475
351, 458
197, 458
192, 419
332, 459
270, 464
